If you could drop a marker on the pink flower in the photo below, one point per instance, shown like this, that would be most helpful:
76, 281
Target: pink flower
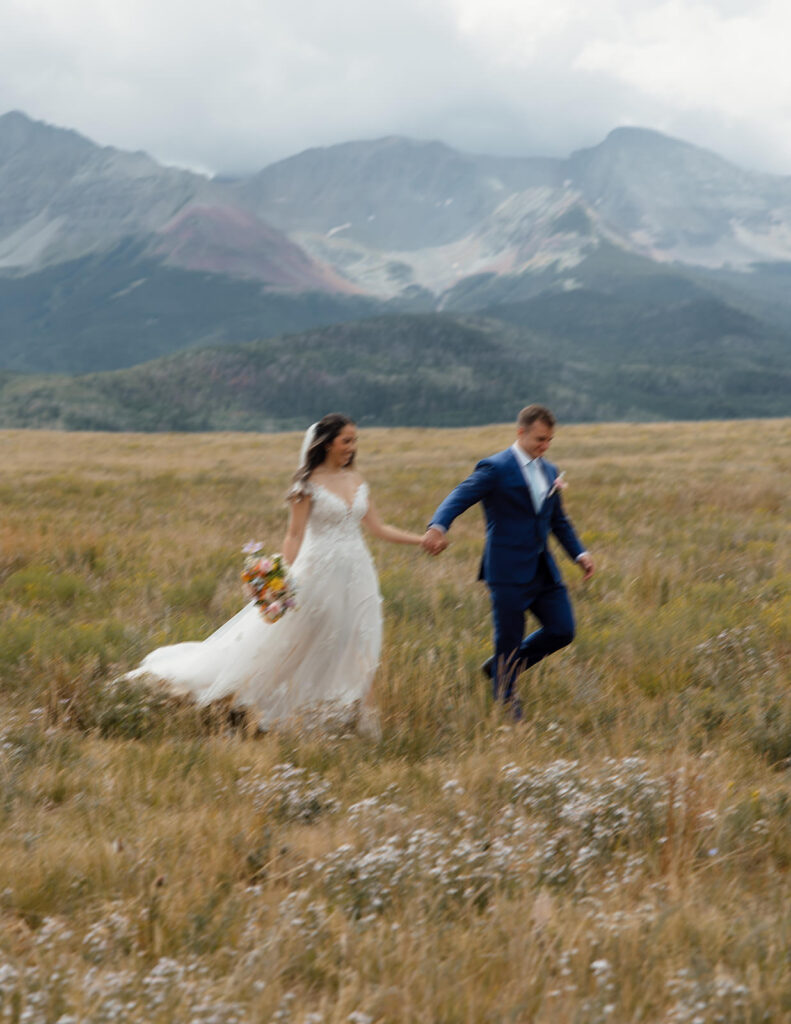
559, 484
274, 611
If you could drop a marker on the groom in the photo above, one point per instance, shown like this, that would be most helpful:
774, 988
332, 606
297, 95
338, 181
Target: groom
520, 493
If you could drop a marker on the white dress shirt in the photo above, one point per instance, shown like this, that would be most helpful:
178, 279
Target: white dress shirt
533, 472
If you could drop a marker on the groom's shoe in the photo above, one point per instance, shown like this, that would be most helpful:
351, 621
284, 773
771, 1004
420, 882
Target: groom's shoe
515, 707
488, 667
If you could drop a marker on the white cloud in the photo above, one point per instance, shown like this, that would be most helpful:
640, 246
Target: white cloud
514, 31
692, 56
235, 85
722, 63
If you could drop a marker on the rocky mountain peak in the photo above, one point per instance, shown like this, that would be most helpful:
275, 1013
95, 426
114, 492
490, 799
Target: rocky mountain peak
670, 199
27, 143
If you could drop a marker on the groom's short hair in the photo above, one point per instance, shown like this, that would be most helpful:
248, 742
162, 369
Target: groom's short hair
528, 416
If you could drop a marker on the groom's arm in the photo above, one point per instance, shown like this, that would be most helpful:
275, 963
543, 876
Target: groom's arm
469, 492
569, 541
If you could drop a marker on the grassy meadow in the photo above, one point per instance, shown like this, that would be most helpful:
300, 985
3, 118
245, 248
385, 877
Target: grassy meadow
623, 855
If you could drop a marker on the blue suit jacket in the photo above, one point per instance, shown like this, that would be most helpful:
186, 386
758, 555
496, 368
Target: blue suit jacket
516, 536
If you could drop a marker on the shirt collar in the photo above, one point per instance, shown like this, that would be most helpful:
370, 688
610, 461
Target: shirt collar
522, 457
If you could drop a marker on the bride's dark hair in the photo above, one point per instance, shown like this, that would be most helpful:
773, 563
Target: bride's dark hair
324, 433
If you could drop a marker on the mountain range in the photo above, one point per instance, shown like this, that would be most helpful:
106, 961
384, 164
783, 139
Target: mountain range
109, 260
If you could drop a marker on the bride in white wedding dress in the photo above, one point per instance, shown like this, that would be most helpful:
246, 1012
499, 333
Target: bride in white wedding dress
320, 658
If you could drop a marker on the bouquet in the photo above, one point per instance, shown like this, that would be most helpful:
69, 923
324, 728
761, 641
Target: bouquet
267, 582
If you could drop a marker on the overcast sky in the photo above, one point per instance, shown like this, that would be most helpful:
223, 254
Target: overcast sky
231, 86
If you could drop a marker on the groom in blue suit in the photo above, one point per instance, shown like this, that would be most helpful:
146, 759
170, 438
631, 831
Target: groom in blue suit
520, 493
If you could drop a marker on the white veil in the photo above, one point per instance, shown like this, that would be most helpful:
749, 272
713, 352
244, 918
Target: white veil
299, 488
307, 441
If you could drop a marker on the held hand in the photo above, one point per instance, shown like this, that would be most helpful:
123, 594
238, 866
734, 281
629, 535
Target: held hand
585, 563
434, 541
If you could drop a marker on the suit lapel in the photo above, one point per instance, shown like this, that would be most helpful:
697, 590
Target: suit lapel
551, 475
519, 480
517, 475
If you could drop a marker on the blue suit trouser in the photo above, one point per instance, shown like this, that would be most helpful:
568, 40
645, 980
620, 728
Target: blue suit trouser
513, 652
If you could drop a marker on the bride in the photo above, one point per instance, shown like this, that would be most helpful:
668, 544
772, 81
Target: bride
322, 656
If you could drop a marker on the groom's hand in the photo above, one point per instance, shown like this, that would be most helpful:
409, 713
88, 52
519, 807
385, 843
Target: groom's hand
434, 541
585, 562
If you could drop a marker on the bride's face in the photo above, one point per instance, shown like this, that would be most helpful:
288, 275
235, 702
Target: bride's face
341, 451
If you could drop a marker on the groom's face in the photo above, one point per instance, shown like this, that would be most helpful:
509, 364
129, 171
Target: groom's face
536, 438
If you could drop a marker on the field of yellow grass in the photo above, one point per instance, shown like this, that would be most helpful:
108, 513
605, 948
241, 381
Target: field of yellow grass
621, 856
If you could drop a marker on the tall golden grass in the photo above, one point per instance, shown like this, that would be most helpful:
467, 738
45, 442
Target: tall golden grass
623, 855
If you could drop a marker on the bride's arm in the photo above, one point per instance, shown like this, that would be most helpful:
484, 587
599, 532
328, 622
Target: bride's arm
295, 531
379, 529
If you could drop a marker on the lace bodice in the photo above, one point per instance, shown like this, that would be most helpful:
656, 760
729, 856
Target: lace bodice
332, 520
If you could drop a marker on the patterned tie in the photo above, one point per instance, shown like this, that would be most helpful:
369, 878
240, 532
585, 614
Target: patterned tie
538, 484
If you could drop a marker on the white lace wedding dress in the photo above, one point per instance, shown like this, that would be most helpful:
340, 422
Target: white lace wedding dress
320, 657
